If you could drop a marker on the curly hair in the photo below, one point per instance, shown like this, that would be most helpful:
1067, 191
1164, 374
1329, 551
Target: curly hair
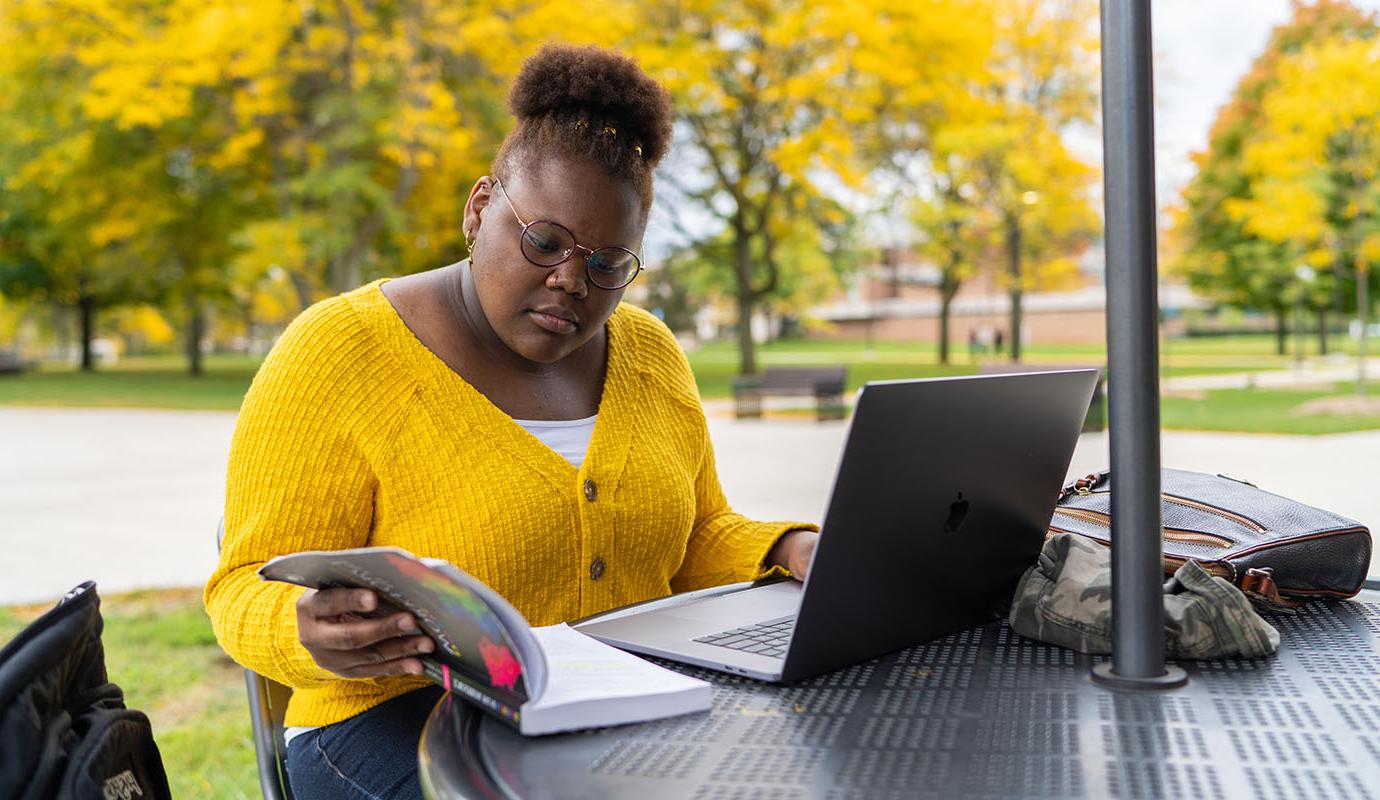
588, 103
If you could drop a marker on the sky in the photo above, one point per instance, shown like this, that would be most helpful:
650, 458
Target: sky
1202, 48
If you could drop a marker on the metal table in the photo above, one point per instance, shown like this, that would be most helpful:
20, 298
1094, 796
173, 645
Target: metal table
981, 714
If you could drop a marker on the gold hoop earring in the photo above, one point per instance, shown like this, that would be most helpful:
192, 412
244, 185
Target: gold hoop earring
469, 244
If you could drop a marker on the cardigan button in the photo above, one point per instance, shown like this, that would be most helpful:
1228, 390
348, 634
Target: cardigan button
596, 569
591, 491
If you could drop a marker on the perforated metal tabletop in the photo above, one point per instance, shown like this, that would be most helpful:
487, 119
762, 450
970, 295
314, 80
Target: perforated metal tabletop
981, 714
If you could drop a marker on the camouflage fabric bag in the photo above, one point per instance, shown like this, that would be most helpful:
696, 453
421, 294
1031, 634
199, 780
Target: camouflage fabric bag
1066, 599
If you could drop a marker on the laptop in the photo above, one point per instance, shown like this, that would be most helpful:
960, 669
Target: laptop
941, 501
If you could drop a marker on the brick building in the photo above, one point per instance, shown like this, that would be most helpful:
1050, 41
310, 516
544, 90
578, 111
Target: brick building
903, 305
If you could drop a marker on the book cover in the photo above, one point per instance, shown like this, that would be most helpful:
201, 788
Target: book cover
476, 651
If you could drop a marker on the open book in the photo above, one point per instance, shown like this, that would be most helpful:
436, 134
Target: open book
540, 680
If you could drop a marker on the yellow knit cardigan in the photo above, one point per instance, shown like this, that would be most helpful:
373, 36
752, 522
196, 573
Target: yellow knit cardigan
353, 434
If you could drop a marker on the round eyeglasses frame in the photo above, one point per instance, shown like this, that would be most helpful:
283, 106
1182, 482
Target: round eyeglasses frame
562, 257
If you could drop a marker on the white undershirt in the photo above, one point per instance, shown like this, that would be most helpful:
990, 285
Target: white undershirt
568, 437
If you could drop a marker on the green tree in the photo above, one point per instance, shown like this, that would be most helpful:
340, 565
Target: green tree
780, 104
66, 228
992, 179
1316, 169
955, 228
204, 143
1044, 68
1237, 249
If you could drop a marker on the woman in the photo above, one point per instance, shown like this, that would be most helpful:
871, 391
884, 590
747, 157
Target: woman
505, 413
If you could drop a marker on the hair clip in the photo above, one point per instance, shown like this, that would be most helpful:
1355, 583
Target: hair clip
611, 131
637, 148
581, 124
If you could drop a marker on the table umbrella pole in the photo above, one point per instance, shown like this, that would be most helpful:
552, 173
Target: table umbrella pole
1132, 352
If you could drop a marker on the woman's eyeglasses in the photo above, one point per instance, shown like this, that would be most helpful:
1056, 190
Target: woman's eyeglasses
549, 244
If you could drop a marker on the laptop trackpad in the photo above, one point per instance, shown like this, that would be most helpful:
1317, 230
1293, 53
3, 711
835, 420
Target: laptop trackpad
745, 607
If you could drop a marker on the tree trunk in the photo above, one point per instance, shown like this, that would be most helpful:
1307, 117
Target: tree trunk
196, 326
345, 271
1013, 258
742, 256
1322, 329
947, 289
893, 261
62, 326
747, 349
248, 310
302, 287
1363, 312
1281, 330
86, 312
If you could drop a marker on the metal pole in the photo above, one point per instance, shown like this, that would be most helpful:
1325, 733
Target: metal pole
1128, 147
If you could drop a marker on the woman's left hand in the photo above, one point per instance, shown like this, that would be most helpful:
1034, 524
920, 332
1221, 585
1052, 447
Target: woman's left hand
793, 551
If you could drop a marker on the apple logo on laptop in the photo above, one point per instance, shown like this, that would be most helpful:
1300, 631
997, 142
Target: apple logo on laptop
958, 511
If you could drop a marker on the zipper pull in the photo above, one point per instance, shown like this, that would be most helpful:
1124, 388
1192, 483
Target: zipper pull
1084, 486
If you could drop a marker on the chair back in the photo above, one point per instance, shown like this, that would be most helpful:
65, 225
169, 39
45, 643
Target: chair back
268, 701
267, 704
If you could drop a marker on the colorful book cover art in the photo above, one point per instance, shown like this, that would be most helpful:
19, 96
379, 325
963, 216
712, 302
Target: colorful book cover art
473, 637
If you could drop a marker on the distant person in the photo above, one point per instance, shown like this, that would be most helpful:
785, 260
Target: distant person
974, 344
997, 341
506, 413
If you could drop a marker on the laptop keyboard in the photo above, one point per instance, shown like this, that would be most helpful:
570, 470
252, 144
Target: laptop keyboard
765, 638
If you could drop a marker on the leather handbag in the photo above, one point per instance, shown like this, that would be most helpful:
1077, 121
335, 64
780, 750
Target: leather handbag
1280, 552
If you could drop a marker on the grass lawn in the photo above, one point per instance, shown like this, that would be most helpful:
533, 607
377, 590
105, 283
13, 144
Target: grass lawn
161, 382
146, 382
159, 648
1263, 411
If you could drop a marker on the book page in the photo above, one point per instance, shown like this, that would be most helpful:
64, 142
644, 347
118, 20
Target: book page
601, 685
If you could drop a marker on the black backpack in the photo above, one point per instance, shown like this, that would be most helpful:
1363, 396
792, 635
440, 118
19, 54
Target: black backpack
64, 728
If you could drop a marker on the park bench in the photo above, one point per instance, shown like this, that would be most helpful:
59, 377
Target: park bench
1097, 408
11, 363
824, 384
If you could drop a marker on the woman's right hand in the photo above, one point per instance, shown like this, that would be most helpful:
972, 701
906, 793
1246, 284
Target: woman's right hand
341, 631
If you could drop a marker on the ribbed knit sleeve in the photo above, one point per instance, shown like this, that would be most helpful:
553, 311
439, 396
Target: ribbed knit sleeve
298, 479
725, 546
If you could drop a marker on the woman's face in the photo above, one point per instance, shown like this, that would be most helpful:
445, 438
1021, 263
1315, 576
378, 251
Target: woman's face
544, 314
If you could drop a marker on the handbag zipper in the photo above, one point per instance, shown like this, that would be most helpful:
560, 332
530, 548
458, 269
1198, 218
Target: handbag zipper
1245, 522
1170, 564
1173, 534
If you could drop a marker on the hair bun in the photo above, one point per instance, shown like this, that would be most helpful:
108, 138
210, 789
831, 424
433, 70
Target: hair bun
606, 89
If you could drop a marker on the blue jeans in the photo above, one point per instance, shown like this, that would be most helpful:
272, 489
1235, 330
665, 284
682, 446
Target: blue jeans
370, 756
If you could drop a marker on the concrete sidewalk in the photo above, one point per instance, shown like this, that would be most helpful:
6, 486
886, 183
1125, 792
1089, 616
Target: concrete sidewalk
131, 498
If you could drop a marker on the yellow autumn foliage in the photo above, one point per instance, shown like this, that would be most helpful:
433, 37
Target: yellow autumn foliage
1322, 117
260, 154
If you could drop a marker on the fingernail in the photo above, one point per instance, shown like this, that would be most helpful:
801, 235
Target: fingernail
425, 646
406, 624
366, 601
413, 668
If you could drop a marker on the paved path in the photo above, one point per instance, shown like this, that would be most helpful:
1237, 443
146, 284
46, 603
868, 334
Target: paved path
1313, 372
128, 498
131, 498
